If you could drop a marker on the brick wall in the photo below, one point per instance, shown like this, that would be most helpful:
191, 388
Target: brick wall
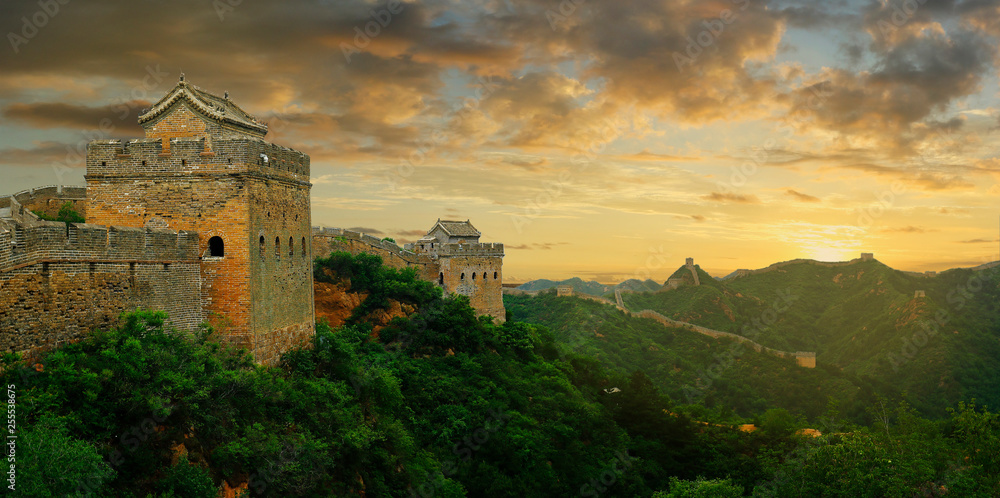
58, 284
479, 277
281, 268
445, 266
328, 240
49, 199
238, 189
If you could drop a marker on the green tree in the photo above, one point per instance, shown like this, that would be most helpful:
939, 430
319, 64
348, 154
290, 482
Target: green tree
701, 488
51, 463
66, 214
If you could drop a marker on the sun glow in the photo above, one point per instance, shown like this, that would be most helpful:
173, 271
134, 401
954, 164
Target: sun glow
830, 253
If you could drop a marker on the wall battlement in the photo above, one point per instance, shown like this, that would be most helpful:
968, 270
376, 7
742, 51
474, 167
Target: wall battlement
192, 220
190, 155
22, 243
455, 249
375, 242
472, 269
30, 196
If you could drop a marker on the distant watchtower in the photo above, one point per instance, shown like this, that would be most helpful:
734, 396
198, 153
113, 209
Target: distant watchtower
466, 266
204, 166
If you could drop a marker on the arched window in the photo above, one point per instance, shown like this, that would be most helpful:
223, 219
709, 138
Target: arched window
484, 275
277, 248
473, 275
462, 277
262, 247
495, 275
216, 247
291, 247
304, 251
441, 279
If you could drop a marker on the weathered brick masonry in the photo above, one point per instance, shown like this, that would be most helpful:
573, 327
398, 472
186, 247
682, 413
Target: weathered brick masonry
205, 220
457, 263
203, 170
58, 283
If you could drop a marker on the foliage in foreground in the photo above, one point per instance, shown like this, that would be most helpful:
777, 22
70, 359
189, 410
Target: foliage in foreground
438, 404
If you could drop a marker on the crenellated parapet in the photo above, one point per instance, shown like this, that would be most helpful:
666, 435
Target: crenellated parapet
195, 156
48, 199
27, 243
475, 249
472, 269
200, 218
372, 241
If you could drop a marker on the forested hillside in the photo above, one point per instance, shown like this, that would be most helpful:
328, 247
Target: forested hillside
442, 403
863, 318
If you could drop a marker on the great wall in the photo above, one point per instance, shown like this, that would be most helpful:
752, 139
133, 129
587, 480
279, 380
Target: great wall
466, 266
805, 359
59, 282
205, 220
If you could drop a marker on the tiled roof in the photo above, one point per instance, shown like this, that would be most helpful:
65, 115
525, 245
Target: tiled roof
219, 108
457, 228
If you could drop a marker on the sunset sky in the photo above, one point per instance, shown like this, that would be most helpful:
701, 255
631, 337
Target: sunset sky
599, 139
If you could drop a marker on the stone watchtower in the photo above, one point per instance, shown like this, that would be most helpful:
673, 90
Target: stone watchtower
204, 166
466, 266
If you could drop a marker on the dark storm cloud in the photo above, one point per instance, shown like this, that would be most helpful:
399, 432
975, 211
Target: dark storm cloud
62, 115
343, 94
41, 153
919, 70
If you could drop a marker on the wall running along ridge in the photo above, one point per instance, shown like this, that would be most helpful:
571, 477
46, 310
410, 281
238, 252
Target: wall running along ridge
805, 359
472, 270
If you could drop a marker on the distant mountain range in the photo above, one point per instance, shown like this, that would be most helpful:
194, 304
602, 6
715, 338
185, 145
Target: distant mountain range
592, 287
933, 338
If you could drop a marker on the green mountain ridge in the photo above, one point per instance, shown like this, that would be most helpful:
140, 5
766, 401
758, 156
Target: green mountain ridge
861, 319
591, 287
